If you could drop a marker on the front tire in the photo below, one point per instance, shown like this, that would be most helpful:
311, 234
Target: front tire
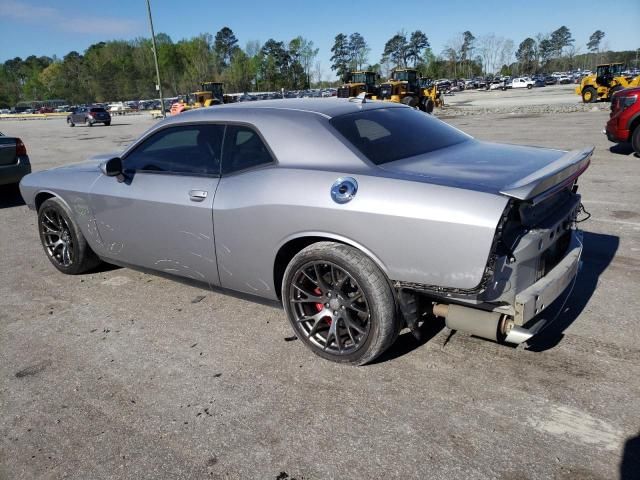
589, 95
339, 303
635, 139
70, 122
62, 240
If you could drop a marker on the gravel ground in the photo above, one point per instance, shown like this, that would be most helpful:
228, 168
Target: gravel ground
119, 374
551, 99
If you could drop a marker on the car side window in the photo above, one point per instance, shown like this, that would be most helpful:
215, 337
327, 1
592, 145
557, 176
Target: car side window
186, 149
243, 148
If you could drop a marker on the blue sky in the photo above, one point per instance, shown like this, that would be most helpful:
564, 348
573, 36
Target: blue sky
56, 27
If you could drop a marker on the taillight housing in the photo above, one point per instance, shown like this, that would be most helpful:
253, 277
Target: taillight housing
626, 101
21, 150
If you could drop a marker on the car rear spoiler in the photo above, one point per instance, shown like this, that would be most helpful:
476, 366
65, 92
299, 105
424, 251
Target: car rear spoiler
552, 178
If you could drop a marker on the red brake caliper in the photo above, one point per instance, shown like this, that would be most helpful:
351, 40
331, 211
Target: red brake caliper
320, 306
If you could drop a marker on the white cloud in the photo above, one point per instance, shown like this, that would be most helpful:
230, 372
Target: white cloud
49, 17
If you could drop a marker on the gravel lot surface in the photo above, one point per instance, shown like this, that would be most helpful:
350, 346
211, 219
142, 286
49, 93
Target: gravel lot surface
551, 99
119, 374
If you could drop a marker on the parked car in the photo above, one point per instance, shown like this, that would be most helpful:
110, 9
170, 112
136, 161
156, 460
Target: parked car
624, 122
539, 82
550, 80
521, 82
14, 161
89, 116
344, 211
565, 79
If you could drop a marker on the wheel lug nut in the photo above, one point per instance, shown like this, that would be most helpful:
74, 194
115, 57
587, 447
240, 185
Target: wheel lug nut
335, 313
326, 305
342, 307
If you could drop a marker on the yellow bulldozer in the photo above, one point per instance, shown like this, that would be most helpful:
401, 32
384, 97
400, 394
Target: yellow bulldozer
607, 80
404, 86
211, 93
364, 81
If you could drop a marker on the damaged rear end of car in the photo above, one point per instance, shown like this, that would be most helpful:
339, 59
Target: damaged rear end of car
534, 258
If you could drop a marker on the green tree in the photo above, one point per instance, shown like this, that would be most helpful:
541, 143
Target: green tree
274, 65
341, 56
395, 50
546, 50
307, 55
358, 51
560, 39
594, 41
417, 43
224, 47
466, 51
526, 55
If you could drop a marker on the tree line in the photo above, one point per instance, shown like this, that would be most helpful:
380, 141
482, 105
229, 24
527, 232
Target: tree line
466, 55
121, 70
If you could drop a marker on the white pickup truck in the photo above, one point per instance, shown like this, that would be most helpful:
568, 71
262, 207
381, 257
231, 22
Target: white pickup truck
521, 82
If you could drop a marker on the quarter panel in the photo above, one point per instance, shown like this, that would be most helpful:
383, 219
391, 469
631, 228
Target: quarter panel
71, 185
419, 232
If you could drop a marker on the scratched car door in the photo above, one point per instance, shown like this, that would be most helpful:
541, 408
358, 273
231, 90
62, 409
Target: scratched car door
160, 216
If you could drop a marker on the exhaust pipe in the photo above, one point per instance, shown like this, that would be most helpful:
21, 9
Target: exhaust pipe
490, 325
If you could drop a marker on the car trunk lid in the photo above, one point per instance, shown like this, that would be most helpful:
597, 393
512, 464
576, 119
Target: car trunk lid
515, 171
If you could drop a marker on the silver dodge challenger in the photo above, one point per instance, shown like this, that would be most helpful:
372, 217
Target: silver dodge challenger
361, 217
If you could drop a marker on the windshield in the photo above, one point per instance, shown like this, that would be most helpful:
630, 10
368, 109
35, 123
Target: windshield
402, 76
388, 134
367, 78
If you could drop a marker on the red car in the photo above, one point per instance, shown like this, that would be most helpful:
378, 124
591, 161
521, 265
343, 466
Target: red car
624, 123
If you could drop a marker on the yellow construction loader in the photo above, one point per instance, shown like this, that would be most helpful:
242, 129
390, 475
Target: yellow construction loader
360, 82
607, 80
211, 93
404, 86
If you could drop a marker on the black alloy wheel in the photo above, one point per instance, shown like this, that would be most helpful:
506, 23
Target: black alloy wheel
339, 303
56, 237
330, 308
63, 242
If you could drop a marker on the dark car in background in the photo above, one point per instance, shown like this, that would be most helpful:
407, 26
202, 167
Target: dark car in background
550, 80
624, 122
14, 161
89, 116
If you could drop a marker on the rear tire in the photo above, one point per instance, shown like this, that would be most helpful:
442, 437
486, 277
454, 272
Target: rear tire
330, 287
589, 95
410, 101
529, 87
63, 242
635, 139
106, 124
428, 106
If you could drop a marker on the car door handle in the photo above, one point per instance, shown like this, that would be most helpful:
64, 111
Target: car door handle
197, 195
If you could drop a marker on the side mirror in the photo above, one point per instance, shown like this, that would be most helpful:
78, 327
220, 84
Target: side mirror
112, 167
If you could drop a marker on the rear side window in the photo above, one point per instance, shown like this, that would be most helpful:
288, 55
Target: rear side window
243, 148
388, 134
187, 149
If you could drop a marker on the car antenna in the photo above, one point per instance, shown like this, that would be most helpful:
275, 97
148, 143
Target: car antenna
360, 98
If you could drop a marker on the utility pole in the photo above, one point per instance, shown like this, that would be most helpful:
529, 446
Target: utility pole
155, 58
